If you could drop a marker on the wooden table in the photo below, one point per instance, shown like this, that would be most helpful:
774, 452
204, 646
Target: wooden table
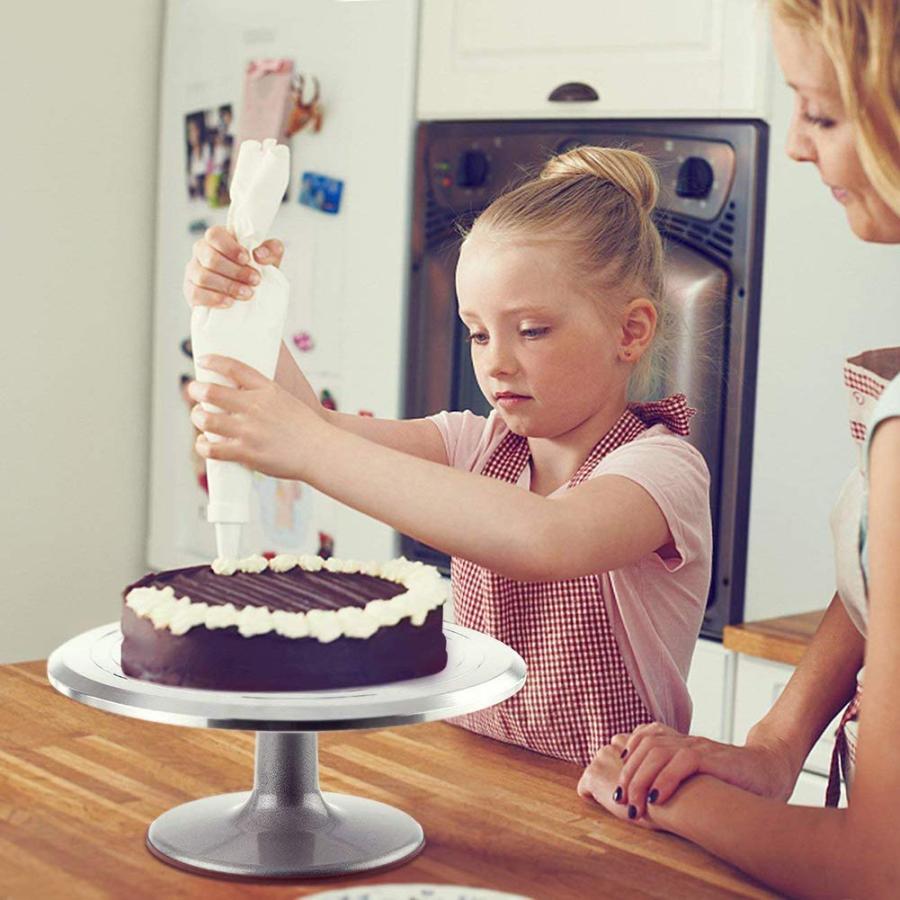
783, 639
78, 788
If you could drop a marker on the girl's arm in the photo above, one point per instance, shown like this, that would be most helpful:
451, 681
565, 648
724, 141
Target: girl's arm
603, 524
417, 437
219, 274
853, 852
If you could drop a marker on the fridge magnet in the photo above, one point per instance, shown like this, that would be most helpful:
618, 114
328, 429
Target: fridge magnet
367, 413
326, 545
186, 350
284, 512
326, 398
321, 192
303, 112
208, 142
267, 100
303, 341
198, 226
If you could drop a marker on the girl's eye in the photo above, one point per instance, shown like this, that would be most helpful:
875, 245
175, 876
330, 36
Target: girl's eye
476, 337
532, 333
819, 121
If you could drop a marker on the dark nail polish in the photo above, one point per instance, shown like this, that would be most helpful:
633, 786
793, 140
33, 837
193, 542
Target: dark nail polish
653, 796
632, 812
617, 794
624, 753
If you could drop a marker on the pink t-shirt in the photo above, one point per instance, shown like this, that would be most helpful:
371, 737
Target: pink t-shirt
656, 605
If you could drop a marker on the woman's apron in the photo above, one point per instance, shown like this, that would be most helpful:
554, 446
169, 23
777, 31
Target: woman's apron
578, 693
865, 377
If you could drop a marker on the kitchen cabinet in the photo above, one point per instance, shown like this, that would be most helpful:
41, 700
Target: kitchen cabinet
646, 58
711, 686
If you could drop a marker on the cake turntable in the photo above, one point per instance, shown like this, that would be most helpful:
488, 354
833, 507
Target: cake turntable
285, 827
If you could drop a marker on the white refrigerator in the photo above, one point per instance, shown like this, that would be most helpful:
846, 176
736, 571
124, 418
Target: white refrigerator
347, 269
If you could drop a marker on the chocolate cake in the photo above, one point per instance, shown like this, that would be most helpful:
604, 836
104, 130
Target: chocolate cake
289, 624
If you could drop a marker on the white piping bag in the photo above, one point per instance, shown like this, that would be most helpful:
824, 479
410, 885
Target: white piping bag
249, 330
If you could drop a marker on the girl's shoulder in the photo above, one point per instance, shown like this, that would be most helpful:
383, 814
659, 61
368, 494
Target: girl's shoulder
469, 439
658, 448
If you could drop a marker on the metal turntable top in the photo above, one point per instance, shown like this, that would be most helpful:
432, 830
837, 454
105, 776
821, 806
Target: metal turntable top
480, 672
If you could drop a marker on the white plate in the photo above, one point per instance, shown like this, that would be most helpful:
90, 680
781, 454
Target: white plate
416, 892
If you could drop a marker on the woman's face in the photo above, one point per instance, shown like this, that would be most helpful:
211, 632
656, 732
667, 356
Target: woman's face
823, 134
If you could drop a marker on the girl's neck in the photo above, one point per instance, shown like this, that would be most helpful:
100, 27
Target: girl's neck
555, 460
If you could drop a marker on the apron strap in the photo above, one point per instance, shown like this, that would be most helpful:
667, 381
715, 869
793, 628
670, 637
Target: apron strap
838, 754
673, 412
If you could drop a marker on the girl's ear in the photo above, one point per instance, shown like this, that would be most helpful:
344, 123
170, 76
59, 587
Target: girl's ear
638, 328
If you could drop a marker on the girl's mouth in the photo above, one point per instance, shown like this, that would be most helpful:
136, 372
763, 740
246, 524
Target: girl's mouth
507, 399
839, 194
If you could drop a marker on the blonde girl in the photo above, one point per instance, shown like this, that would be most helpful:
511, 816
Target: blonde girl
578, 524
842, 59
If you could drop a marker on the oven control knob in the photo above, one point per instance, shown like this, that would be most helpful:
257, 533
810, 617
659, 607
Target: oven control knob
695, 178
472, 171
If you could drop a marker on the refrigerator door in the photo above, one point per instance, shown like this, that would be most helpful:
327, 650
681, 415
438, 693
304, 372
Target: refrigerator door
347, 270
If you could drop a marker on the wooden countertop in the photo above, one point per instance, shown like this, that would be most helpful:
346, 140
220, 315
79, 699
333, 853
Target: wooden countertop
78, 788
781, 640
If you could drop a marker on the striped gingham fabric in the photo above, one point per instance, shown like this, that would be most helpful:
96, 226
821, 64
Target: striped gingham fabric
578, 693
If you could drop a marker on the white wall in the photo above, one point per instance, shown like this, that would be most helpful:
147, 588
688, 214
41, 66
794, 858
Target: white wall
79, 159
826, 295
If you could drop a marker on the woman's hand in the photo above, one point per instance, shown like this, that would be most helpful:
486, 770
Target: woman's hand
260, 424
220, 272
657, 759
601, 780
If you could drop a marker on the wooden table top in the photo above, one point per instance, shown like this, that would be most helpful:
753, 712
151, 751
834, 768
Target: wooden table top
78, 788
783, 639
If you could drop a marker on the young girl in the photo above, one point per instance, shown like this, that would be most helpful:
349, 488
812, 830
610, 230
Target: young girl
578, 524
841, 59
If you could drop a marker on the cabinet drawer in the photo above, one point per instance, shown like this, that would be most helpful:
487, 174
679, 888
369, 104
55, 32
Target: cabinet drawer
503, 58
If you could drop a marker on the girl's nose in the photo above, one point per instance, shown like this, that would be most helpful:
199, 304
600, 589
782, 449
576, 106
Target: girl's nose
800, 146
501, 361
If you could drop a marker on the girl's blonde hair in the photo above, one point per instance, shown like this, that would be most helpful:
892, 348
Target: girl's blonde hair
862, 40
598, 201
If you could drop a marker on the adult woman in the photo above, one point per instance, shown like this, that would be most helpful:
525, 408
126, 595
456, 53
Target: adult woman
841, 59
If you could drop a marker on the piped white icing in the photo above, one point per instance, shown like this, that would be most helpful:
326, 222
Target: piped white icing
425, 591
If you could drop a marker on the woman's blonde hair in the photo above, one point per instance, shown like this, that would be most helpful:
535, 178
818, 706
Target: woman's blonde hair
598, 201
862, 40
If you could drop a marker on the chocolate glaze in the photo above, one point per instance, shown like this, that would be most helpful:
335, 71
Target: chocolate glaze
222, 659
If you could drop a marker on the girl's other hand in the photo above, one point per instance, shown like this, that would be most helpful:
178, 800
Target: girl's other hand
258, 423
600, 782
657, 759
219, 272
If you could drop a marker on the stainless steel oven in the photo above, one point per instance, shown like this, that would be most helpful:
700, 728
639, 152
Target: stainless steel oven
711, 213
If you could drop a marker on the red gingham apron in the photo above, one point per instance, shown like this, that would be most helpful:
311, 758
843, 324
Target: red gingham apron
578, 693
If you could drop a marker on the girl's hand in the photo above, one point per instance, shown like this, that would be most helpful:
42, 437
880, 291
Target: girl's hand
601, 780
219, 272
261, 425
657, 759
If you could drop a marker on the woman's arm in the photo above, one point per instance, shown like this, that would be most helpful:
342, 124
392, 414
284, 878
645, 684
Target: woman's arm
660, 759
604, 524
853, 852
821, 686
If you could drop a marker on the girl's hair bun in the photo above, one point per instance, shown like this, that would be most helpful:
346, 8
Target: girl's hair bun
625, 169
